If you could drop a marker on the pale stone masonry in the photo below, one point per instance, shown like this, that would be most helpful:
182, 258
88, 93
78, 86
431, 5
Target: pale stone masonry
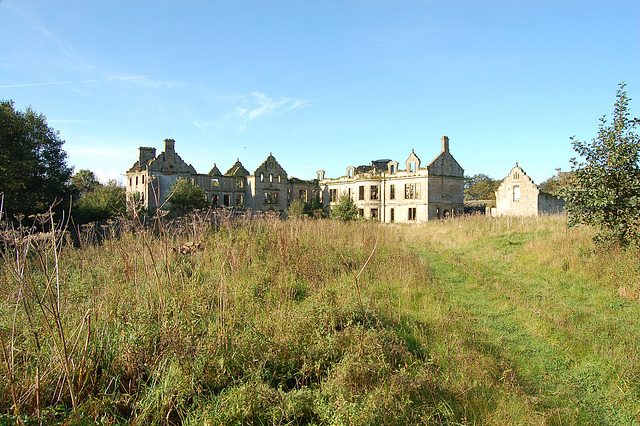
268, 189
381, 191
384, 192
518, 195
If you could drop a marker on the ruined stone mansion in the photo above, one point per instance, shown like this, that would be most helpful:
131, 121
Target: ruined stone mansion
381, 191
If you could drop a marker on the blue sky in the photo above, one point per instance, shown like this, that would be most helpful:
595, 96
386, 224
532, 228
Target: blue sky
321, 84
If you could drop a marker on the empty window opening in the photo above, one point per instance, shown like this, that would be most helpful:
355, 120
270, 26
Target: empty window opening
412, 213
361, 192
392, 215
516, 193
270, 197
373, 192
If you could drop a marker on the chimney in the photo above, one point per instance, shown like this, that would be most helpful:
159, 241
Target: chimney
146, 155
445, 144
169, 145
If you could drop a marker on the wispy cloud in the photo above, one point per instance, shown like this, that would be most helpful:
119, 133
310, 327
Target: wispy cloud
140, 80
252, 107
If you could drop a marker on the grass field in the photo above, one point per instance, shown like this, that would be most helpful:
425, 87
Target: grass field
471, 321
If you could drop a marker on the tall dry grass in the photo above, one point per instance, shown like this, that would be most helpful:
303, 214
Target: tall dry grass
262, 321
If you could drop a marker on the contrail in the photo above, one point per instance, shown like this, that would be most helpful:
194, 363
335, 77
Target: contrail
35, 84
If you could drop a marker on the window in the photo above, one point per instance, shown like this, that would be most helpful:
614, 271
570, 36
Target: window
374, 213
361, 192
239, 200
412, 213
373, 192
143, 179
392, 192
411, 191
303, 195
333, 194
130, 181
215, 199
227, 199
279, 178
392, 215
270, 178
270, 197
261, 177
412, 166
392, 169
350, 172
361, 212
215, 182
136, 180
516, 175
516, 193
239, 183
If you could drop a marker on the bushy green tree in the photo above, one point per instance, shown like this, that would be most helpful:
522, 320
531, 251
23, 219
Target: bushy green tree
185, 197
84, 181
33, 169
480, 187
604, 189
345, 210
100, 203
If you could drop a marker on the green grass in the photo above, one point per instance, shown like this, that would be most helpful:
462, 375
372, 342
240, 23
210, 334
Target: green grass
470, 321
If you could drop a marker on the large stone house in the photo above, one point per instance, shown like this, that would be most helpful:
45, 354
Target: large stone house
381, 191
518, 195
268, 188
384, 192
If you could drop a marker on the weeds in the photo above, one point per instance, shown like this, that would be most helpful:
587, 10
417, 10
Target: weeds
317, 322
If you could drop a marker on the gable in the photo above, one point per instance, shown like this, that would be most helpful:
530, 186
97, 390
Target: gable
445, 165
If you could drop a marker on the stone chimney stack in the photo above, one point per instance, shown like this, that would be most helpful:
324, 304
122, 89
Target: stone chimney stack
169, 145
146, 155
445, 144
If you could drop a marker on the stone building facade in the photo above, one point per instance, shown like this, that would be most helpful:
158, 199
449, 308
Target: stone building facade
384, 192
267, 189
518, 195
381, 191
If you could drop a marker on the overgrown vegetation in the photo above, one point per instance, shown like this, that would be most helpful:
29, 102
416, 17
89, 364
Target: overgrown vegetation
345, 210
604, 188
261, 321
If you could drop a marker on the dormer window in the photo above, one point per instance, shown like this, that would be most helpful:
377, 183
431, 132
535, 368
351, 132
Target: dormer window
392, 169
412, 166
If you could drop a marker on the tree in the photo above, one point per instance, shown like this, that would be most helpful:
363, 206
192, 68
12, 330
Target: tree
555, 183
100, 203
604, 189
480, 187
84, 181
185, 197
345, 210
33, 169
